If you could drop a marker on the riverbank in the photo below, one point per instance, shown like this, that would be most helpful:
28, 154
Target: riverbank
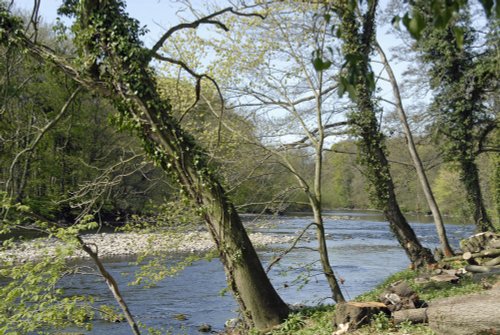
319, 320
128, 244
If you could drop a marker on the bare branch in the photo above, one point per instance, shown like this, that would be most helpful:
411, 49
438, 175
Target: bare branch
198, 77
195, 24
34, 18
292, 246
302, 141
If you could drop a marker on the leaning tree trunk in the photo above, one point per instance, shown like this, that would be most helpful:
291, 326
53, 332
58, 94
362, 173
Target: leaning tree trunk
123, 75
323, 254
470, 178
417, 162
357, 47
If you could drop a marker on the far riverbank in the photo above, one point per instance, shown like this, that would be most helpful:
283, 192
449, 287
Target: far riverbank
128, 244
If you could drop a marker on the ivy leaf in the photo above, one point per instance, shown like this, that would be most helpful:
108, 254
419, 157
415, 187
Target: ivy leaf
352, 92
341, 88
395, 21
321, 65
415, 25
459, 36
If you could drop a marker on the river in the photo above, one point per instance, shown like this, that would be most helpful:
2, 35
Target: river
362, 249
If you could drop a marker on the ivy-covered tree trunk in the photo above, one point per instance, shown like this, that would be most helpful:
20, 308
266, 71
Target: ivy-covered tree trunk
463, 75
117, 67
470, 178
358, 81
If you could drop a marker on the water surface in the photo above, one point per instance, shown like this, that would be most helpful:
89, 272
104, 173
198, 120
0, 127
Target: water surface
362, 250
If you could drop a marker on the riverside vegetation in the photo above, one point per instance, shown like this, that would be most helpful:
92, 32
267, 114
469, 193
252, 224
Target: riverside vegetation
252, 107
318, 320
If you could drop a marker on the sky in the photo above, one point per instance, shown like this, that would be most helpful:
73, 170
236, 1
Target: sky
157, 15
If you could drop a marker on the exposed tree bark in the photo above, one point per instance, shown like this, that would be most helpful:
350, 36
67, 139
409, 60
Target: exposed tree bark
417, 162
357, 47
415, 315
466, 315
124, 76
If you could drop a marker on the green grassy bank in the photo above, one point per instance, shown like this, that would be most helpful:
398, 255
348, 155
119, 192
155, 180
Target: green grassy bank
319, 320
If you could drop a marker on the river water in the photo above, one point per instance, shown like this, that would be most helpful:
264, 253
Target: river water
363, 252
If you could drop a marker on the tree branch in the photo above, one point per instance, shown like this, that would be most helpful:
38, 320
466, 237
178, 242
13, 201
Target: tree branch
195, 24
112, 284
198, 77
313, 132
285, 252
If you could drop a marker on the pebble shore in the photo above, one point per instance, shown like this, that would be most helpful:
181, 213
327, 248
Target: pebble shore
129, 244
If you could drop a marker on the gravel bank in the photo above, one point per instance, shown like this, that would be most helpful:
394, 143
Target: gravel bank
127, 244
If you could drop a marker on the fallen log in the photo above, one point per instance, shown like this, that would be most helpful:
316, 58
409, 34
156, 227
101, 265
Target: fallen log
477, 242
494, 244
492, 262
482, 268
485, 253
471, 314
444, 278
458, 257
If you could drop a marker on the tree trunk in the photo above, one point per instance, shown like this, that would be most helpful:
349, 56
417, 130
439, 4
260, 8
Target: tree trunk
324, 258
125, 77
418, 255
417, 162
470, 178
315, 201
357, 48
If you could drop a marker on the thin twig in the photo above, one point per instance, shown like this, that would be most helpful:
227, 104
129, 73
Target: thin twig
195, 24
285, 252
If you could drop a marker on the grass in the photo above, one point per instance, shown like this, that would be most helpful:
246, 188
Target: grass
318, 320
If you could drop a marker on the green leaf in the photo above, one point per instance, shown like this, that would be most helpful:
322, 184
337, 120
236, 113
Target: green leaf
341, 88
321, 65
352, 92
459, 36
416, 25
488, 6
395, 21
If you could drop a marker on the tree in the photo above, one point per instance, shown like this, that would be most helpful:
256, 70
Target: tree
51, 161
114, 64
462, 75
273, 82
357, 33
417, 162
